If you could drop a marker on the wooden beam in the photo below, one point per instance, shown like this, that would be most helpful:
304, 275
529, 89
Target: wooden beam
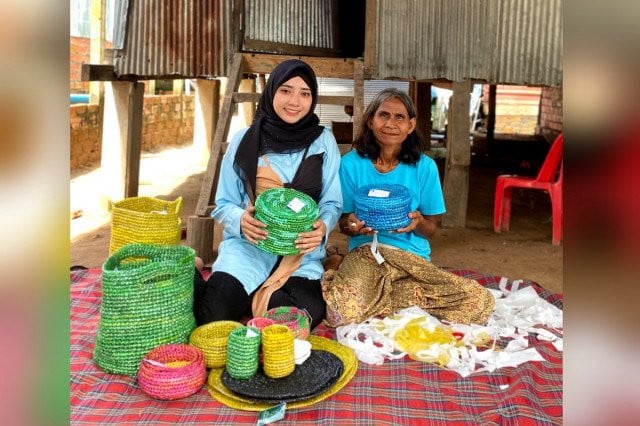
491, 119
96, 48
222, 131
248, 85
358, 97
96, 72
259, 63
239, 97
423, 111
370, 37
121, 140
456, 177
207, 105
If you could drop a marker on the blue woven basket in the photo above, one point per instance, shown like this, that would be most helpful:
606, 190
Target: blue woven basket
383, 213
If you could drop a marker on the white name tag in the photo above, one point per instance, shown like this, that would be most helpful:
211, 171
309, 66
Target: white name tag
296, 205
380, 193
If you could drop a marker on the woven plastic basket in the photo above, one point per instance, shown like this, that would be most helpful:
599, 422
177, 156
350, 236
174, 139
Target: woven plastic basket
286, 212
242, 352
145, 220
296, 319
212, 339
172, 372
147, 301
380, 212
277, 351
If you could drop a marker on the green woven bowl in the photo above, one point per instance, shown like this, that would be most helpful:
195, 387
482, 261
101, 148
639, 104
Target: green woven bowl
286, 212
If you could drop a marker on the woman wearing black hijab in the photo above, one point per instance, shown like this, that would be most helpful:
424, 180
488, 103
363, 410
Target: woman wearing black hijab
284, 146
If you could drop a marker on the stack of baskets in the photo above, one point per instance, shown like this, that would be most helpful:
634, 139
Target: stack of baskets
383, 207
287, 213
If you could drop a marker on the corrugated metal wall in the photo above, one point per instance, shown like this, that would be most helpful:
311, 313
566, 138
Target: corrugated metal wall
301, 23
498, 41
187, 38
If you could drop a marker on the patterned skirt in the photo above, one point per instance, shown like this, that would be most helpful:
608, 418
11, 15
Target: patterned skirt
361, 288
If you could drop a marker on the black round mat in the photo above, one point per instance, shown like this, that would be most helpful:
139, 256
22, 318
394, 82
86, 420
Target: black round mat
317, 374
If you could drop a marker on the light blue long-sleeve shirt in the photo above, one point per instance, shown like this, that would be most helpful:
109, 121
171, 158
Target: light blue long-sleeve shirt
238, 257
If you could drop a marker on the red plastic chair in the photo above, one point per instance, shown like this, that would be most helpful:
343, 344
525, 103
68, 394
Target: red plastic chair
546, 181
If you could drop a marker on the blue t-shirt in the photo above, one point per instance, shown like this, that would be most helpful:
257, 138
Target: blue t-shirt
423, 182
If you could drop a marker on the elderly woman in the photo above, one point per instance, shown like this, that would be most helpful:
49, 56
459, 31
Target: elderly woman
385, 271
284, 147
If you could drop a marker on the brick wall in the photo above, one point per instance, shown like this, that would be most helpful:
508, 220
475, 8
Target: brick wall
167, 121
86, 135
551, 112
78, 54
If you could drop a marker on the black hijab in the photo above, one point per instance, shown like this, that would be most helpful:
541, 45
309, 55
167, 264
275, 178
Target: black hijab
269, 133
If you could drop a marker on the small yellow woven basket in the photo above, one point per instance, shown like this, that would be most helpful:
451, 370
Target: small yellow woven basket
145, 220
212, 339
278, 351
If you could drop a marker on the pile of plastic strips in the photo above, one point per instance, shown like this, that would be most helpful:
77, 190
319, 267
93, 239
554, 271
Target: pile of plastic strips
462, 348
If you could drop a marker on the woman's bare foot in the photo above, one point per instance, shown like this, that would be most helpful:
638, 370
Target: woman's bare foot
332, 262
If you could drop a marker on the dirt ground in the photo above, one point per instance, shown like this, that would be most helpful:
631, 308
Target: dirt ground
525, 252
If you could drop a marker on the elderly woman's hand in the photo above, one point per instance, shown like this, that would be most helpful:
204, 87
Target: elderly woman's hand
252, 229
309, 241
350, 225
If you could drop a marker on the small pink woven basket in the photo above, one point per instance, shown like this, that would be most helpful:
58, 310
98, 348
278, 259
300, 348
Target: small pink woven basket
172, 371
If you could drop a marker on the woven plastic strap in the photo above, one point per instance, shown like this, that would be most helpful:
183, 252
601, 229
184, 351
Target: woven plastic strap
383, 207
286, 212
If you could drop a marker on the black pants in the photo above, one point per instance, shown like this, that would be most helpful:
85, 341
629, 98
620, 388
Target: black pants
222, 297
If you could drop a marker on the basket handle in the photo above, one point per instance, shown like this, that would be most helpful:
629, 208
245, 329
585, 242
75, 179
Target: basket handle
178, 204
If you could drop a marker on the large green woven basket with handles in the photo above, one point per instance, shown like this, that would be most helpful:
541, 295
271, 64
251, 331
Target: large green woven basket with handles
147, 301
287, 213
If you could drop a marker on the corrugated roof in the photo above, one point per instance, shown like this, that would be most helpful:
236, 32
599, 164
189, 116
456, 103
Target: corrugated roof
498, 41
184, 38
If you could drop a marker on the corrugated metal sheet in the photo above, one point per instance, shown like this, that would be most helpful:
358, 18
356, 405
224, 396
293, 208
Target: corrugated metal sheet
309, 23
497, 41
186, 38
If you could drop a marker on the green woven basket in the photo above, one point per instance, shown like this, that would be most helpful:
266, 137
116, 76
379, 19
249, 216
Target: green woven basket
287, 213
147, 301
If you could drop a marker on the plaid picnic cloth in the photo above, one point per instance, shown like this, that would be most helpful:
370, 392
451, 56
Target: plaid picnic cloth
400, 392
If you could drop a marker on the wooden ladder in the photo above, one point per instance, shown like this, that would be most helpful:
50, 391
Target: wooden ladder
200, 227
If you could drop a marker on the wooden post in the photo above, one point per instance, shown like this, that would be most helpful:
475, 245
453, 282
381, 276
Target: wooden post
96, 48
207, 105
150, 87
491, 119
358, 97
248, 85
121, 140
456, 176
200, 237
178, 87
422, 102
